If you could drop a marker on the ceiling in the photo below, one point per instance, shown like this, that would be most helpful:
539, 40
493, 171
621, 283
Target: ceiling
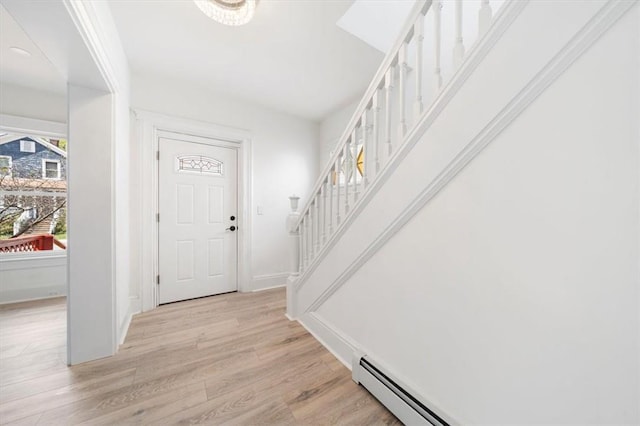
34, 71
305, 57
292, 56
377, 23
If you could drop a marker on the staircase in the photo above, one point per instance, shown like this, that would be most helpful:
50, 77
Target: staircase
476, 233
42, 227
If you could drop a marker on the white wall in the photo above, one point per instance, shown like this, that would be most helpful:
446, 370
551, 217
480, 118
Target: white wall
27, 277
511, 295
26, 102
284, 159
331, 128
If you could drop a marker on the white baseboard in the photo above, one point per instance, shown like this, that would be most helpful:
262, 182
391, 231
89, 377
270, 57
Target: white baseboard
269, 281
134, 308
34, 293
329, 337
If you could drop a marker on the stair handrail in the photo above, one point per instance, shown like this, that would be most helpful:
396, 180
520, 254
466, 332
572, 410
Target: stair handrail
420, 9
322, 215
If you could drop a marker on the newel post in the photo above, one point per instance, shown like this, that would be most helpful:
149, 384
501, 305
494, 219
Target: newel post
294, 253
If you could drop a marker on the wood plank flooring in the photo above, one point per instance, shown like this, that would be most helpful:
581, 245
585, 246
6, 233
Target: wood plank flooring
228, 359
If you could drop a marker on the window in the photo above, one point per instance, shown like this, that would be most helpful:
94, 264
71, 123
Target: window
199, 164
27, 146
51, 169
5, 165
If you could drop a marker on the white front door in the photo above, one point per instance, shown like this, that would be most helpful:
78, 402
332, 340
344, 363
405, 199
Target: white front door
198, 220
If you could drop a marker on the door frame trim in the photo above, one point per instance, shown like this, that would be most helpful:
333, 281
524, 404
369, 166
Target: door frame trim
148, 128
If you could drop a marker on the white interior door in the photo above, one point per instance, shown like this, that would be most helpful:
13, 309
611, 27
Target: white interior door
198, 220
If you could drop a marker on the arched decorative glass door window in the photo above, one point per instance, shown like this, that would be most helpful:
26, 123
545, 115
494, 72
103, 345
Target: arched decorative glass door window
199, 164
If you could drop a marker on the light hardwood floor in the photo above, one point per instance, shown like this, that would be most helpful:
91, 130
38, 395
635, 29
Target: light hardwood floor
228, 359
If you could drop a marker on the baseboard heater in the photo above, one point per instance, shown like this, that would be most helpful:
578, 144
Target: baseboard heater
401, 403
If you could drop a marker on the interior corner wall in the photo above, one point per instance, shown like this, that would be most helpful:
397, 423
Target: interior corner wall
90, 216
284, 159
31, 103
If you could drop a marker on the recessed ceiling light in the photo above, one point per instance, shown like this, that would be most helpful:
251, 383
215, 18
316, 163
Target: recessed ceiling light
20, 51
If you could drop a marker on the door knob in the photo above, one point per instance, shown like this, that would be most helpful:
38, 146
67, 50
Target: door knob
232, 228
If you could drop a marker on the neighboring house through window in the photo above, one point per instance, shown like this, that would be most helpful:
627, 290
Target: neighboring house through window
50, 169
5, 165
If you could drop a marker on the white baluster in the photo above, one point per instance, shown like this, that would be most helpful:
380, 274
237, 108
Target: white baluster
484, 17
402, 70
458, 49
418, 31
317, 223
337, 183
305, 235
331, 185
388, 85
346, 168
375, 111
309, 238
301, 253
365, 149
323, 191
354, 163
437, 8
294, 236
314, 229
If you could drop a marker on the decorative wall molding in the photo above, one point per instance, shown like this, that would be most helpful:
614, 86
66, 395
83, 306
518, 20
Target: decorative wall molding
579, 43
148, 128
483, 46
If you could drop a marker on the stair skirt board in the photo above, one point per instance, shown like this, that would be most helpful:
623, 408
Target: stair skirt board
397, 399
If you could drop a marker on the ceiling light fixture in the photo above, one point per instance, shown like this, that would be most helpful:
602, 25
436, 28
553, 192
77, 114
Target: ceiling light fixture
228, 12
20, 51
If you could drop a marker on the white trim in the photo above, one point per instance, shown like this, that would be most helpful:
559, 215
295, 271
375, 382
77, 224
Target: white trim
10, 173
346, 351
508, 14
44, 169
134, 305
149, 127
27, 295
30, 126
10, 261
124, 327
269, 281
586, 37
133, 308
329, 337
28, 146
